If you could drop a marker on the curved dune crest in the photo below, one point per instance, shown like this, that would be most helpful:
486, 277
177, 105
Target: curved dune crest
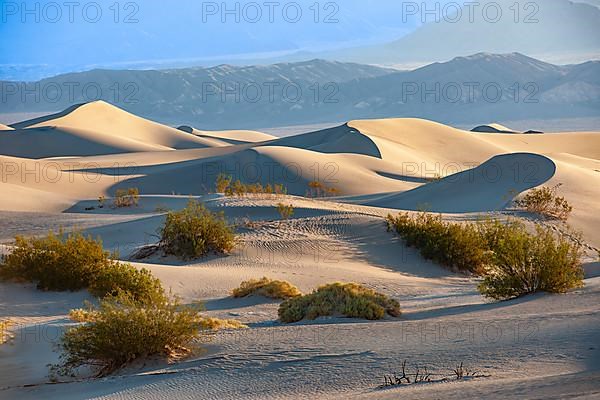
229, 137
107, 120
488, 187
493, 128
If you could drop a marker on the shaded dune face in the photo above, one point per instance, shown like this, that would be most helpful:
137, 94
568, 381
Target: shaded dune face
488, 187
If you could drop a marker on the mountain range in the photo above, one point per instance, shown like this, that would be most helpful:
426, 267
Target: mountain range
479, 88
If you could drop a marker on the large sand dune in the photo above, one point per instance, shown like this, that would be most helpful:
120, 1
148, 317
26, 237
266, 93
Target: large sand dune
100, 128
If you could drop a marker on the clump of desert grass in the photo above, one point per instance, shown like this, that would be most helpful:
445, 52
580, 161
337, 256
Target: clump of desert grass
348, 299
217, 324
272, 289
195, 232
512, 260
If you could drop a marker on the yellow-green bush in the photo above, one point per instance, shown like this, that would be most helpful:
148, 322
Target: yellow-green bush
140, 283
453, 245
55, 262
348, 299
216, 324
285, 211
195, 231
545, 201
513, 261
524, 263
267, 288
126, 197
4, 334
74, 262
122, 330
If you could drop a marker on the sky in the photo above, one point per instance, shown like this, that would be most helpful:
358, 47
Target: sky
41, 38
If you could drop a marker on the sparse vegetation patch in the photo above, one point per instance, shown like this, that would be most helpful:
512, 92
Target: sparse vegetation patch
126, 197
266, 287
347, 299
513, 261
546, 201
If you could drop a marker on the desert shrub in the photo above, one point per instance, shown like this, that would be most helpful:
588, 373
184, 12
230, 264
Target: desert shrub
101, 201
524, 263
223, 182
82, 314
5, 336
195, 231
319, 189
513, 261
140, 283
216, 324
122, 330
267, 288
545, 201
56, 262
126, 197
74, 262
285, 211
457, 246
348, 299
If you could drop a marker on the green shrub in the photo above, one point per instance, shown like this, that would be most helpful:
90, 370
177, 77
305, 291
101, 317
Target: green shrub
223, 182
141, 284
453, 245
349, 299
285, 211
74, 262
216, 324
513, 261
524, 263
126, 197
267, 288
122, 330
56, 262
545, 201
195, 231
319, 189
5, 336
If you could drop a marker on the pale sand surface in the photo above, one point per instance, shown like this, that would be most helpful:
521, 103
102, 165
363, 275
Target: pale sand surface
541, 346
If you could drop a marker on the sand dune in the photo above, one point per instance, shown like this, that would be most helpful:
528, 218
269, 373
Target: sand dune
5, 127
106, 123
229, 137
489, 187
392, 163
492, 128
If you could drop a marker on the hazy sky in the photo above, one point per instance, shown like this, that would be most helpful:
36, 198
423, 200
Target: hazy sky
59, 36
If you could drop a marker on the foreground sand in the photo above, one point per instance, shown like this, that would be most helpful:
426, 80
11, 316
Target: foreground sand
544, 345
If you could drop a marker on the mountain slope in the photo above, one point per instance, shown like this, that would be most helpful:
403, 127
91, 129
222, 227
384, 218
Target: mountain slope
551, 29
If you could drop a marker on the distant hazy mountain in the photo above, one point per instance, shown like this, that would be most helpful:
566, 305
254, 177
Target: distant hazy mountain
479, 88
549, 29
